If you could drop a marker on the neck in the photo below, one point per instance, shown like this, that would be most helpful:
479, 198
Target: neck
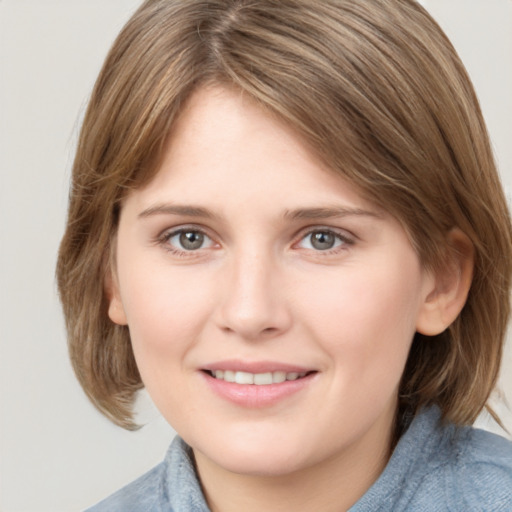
332, 485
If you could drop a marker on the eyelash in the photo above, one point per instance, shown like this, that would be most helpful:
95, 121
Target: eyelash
164, 240
343, 240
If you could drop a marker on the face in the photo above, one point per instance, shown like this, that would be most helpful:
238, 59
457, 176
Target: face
271, 308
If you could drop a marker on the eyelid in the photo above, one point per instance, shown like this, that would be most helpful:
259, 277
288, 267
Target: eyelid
165, 235
347, 238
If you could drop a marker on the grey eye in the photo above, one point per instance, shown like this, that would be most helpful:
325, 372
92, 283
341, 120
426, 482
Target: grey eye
191, 240
188, 240
322, 240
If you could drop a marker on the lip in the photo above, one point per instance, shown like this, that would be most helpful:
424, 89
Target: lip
256, 367
254, 396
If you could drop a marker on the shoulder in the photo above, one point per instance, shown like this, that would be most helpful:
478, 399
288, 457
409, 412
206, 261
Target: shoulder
483, 469
172, 485
471, 471
439, 467
141, 495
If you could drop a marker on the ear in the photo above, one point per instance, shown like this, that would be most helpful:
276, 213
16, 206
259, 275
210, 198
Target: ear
115, 306
449, 287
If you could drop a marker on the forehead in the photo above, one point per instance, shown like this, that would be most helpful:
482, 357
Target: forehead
225, 147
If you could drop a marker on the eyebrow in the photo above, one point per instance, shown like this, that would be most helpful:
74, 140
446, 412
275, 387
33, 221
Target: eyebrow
297, 214
172, 209
329, 213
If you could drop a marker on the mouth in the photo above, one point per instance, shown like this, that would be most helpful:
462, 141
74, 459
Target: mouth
257, 379
257, 384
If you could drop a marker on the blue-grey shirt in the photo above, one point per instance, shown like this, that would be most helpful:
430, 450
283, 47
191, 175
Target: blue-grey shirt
433, 468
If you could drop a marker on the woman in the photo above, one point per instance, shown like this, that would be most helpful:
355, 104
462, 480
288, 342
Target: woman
286, 223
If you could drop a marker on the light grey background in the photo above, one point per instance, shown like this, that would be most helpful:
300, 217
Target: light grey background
56, 453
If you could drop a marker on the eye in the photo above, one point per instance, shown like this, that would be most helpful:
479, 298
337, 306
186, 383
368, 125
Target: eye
188, 240
323, 240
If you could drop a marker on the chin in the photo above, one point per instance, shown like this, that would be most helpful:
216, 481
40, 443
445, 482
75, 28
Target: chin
268, 458
259, 465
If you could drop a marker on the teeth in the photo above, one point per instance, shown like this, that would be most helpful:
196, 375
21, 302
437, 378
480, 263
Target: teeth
229, 376
278, 377
244, 378
259, 379
263, 379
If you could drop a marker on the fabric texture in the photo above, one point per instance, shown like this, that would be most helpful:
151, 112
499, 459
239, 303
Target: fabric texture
434, 468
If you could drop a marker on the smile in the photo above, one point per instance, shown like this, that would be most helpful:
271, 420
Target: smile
257, 379
262, 387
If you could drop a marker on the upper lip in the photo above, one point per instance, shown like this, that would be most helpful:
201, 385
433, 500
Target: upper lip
255, 367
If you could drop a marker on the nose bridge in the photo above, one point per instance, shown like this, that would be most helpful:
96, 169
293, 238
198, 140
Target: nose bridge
253, 303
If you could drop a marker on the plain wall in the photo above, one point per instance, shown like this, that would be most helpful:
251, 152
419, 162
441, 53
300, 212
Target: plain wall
57, 454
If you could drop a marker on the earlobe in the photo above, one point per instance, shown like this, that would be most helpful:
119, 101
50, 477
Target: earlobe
450, 286
115, 306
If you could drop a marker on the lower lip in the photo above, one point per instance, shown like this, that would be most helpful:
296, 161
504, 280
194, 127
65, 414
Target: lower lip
254, 396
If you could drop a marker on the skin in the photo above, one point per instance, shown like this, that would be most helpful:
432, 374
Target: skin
257, 289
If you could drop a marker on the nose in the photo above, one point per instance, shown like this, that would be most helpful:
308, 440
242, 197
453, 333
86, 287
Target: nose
254, 304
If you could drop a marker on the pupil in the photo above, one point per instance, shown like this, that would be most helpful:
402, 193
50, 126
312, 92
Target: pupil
322, 241
191, 240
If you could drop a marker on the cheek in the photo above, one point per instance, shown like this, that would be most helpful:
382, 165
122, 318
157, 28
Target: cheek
166, 315
166, 311
365, 318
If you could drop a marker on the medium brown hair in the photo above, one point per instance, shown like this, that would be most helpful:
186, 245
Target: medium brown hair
374, 87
